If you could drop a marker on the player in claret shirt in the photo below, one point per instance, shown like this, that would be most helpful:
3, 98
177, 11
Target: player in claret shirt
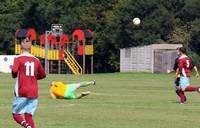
27, 70
175, 68
185, 66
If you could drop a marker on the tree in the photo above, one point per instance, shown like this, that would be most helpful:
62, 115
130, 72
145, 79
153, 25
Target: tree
9, 22
111, 20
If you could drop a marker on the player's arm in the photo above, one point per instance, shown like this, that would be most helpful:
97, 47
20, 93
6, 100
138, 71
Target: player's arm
196, 71
195, 68
175, 64
53, 96
177, 73
41, 73
180, 66
15, 68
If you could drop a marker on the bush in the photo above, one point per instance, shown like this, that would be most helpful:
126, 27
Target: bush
195, 57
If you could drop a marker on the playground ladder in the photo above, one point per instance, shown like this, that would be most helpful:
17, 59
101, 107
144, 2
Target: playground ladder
72, 63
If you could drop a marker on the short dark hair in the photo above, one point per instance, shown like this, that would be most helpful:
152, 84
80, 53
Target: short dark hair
21, 34
183, 50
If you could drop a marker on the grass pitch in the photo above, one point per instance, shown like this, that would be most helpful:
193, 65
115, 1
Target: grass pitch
119, 100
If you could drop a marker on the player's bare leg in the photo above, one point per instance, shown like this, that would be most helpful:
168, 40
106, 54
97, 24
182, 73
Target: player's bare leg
85, 84
83, 94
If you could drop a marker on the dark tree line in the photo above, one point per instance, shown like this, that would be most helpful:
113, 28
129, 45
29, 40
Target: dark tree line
171, 21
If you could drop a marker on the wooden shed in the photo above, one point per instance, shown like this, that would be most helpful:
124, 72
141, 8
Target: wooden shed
151, 58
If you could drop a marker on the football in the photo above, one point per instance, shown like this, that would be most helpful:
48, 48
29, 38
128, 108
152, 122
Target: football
136, 21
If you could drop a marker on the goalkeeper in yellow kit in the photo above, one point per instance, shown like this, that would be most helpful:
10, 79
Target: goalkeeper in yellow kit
59, 90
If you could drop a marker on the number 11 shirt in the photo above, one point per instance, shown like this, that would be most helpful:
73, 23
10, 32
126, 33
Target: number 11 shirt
27, 69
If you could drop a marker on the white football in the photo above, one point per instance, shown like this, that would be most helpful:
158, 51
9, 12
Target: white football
136, 21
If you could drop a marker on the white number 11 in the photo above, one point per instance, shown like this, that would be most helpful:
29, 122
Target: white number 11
29, 67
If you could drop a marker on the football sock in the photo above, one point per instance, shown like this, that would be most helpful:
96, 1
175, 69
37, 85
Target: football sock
82, 95
78, 96
182, 96
191, 89
29, 119
185, 98
85, 84
20, 120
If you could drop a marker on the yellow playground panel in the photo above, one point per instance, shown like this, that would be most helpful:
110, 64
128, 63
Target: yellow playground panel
39, 52
53, 54
17, 49
89, 49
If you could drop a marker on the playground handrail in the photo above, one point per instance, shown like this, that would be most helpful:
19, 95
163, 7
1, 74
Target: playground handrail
74, 61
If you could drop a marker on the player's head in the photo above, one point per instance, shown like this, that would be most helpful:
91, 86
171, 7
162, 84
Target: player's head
182, 50
54, 83
26, 44
177, 51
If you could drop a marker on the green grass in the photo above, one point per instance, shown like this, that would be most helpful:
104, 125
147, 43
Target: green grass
119, 100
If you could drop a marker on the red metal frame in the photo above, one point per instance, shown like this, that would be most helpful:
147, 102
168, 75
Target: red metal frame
50, 37
79, 34
32, 33
64, 40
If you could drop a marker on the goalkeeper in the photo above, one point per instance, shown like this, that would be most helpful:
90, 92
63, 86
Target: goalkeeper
59, 90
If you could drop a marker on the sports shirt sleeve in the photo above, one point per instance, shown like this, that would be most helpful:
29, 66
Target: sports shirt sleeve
176, 64
15, 68
41, 73
180, 65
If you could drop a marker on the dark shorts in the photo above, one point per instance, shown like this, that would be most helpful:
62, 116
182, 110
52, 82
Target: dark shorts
177, 81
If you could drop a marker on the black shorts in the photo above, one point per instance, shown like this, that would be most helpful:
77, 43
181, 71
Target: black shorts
177, 81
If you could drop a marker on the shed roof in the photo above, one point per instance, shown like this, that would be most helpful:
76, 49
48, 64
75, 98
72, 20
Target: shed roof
166, 46
160, 46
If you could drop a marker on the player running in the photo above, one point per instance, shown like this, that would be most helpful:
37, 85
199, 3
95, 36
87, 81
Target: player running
175, 68
59, 90
185, 67
27, 69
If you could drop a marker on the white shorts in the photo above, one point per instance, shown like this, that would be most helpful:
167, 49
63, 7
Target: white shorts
184, 82
23, 105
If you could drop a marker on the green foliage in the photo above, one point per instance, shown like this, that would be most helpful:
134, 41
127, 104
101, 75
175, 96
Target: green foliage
9, 21
181, 35
195, 58
195, 36
169, 21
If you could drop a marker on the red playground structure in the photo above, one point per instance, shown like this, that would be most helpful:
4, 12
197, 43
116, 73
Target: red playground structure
64, 56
